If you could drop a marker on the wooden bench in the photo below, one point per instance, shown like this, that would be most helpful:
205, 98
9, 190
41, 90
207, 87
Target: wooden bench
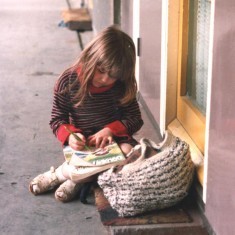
78, 20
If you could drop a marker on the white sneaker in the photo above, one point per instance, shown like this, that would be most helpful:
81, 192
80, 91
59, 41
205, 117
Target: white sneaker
44, 182
67, 191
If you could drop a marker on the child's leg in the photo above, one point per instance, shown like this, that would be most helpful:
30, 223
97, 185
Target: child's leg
65, 170
53, 178
69, 189
125, 147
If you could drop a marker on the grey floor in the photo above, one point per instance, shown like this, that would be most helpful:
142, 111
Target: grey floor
34, 51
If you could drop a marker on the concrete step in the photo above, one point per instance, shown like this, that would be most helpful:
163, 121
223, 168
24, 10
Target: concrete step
182, 219
194, 227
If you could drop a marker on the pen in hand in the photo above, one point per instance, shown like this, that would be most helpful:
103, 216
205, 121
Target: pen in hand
76, 137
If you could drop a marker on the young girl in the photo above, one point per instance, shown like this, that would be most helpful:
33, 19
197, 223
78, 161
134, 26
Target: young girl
96, 99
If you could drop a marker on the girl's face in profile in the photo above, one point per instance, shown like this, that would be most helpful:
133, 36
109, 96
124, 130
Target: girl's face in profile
102, 78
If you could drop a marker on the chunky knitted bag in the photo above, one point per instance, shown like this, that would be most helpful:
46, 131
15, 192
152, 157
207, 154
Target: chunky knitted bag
151, 182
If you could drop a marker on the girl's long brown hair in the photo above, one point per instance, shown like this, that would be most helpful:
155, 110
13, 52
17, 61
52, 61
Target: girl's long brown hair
113, 51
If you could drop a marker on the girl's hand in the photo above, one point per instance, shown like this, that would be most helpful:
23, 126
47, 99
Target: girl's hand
76, 144
101, 138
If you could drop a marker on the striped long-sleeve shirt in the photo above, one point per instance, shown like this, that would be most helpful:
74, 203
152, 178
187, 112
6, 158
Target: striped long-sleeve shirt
99, 109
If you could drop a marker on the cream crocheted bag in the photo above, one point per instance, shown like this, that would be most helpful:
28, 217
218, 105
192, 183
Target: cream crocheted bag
149, 183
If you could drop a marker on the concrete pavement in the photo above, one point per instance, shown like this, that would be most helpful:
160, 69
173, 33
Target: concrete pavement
33, 52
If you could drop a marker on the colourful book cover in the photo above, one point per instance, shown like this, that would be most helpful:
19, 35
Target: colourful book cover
110, 154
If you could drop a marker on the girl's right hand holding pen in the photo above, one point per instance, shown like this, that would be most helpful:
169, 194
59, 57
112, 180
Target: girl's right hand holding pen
75, 143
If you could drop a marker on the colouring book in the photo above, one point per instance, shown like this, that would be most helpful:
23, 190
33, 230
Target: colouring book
88, 163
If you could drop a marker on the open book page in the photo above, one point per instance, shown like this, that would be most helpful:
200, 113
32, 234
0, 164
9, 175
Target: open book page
80, 173
96, 157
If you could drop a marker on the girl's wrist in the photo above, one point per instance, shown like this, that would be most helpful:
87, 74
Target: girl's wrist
63, 134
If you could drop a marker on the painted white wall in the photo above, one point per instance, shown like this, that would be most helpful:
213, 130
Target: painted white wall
163, 84
136, 32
